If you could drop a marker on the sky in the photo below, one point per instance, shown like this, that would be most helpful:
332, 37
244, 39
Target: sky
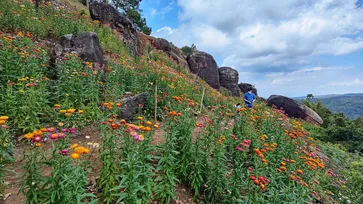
286, 47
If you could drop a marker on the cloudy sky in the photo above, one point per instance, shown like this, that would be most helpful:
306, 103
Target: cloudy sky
287, 47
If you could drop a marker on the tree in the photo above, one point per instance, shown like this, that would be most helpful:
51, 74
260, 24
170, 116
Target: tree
140, 22
126, 5
189, 50
309, 97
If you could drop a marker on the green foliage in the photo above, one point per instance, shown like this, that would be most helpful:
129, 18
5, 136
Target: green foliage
135, 16
188, 50
337, 128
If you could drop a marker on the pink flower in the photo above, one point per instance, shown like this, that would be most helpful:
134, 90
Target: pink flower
4, 126
72, 130
64, 130
246, 141
64, 152
250, 168
53, 136
239, 148
61, 135
37, 138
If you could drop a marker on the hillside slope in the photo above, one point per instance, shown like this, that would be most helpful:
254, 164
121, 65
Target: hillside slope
351, 105
214, 152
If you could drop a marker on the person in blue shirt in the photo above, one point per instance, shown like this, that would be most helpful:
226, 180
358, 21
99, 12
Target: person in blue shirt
249, 98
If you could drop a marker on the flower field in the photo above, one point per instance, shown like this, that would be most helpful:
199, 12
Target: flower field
215, 153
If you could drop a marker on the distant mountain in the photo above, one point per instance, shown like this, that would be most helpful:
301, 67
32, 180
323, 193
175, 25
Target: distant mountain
351, 104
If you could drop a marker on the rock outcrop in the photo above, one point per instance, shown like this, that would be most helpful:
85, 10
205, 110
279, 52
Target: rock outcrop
173, 51
86, 45
165, 46
228, 78
204, 65
130, 105
295, 109
106, 13
245, 86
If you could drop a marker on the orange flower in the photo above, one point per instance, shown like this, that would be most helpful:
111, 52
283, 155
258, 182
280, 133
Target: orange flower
71, 110
256, 182
299, 171
29, 136
220, 141
75, 156
38, 144
4, 118
139, 118
80, 111
292, 177
148, 123
282, 163
292, 161
74, 146
68, 114
57, 105
156, 126
123, 121
2, 122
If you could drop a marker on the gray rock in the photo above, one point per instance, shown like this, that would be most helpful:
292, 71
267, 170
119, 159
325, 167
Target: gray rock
105, 13
204, 65
85, 44
130, 105
228, 78
173, 51
244, 87
295, 109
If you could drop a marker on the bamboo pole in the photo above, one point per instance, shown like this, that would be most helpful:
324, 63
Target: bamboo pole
156, 102
201, 101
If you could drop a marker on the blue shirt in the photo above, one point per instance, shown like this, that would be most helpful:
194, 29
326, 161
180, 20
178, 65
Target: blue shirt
249, 97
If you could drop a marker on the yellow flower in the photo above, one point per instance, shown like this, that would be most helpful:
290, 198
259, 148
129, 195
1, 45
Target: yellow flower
71, 110
148, 123
74, 146
67, 95
63, 111
75, 156
60, 124
4, 117
38, 144
57, 105
139, 118
29, 136
80, 111
68, 114
2, 122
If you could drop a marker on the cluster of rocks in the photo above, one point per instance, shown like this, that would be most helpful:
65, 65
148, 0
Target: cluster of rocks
202, 64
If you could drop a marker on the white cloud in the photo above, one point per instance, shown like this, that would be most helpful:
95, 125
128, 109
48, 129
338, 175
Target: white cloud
166, 31
277, 33
356, 82
152, 12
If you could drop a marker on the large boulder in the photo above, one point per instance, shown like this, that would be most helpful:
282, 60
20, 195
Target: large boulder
131, 105
295, 109
173, 51
165, 46
245, 86
86, 45
105, 13
228, 78
204, 65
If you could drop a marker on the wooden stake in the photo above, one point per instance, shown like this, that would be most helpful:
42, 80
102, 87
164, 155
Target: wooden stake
201, 102
156, 101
